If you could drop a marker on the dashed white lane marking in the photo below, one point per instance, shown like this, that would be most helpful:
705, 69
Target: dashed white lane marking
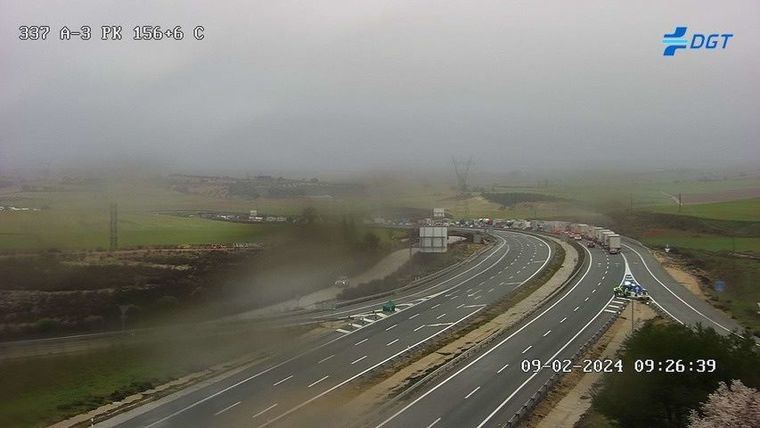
357, 360
527, 349
576, 308
586, 299
361, 341
423, 325
440, 316
502, 368
325, 359
439, 324
547, 333
490, 290
317, 381
226, 408
453, 297
471, 392
501, 283
391, 327
434, 422
282, 380
460, 306
435, 306
477, 297
265, 410
391, 342
563, 320
593, 291
414, 316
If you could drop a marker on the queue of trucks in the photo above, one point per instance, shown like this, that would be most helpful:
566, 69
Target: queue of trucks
594, 235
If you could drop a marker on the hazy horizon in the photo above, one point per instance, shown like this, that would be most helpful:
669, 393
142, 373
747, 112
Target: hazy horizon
347, 88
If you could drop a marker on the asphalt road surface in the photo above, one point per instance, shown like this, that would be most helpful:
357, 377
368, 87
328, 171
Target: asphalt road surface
675, 300
273, 394
494, 384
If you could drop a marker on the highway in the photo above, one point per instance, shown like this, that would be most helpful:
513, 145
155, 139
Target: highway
675, 300
492, 386
273, 392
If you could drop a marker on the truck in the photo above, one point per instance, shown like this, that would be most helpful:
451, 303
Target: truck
599, 238
613, 244
606, 238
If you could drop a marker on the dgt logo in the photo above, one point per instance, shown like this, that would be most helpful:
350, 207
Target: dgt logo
677, 41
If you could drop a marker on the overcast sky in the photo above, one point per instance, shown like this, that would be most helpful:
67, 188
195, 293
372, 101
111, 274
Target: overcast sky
347, 85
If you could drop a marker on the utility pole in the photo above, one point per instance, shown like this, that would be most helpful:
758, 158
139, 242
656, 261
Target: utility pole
114, 228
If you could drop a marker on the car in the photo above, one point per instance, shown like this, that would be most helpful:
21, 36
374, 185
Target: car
590, 244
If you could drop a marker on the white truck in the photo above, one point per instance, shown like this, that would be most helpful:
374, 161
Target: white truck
613, 243
606, 238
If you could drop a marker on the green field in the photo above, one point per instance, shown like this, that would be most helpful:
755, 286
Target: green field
78, 218
38, 391
51, 229
682, 239
742, 210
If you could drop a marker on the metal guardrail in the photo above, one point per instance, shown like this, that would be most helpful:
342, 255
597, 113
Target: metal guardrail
539, 395
418, 281
456, 361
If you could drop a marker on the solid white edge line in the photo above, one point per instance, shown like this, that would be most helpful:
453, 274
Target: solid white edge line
503, 403
502, 245
367, 370
578, 282
671, 291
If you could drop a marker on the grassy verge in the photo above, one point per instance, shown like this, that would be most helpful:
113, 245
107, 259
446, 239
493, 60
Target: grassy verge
42, 390
476, 322
740, 275
720, 250
742, 210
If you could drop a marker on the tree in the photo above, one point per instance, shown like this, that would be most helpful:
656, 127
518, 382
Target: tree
735, 406
664, 399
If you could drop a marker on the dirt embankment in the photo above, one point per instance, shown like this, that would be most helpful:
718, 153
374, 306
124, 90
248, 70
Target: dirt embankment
683, 274
397, 380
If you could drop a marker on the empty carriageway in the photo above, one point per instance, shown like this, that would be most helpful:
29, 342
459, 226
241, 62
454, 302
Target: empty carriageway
675, 300
274, 395
488, 388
